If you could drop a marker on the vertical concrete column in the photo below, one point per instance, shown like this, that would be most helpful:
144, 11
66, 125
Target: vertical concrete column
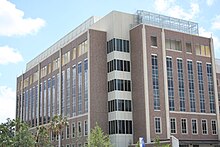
145, 65
215, 86
165, 83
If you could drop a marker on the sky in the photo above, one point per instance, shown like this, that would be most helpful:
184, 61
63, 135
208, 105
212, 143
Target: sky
28, 27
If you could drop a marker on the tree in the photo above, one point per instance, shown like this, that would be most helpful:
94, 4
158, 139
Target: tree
15, 133
57, 124
97, 138
42, 136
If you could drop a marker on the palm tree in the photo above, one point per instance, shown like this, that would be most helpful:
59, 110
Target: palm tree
42, 137
57, 124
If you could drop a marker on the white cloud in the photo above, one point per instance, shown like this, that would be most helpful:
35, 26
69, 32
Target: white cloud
216, 23
9, 55
216, 40
13, 21
7, 103
209, 2
170, 8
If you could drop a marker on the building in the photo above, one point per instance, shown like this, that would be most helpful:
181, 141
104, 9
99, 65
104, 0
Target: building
136, 75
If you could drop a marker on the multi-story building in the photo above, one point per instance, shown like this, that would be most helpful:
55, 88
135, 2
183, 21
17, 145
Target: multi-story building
136, 75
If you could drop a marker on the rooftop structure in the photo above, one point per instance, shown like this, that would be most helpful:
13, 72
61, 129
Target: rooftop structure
167, 22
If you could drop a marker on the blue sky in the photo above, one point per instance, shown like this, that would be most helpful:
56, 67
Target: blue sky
28, 27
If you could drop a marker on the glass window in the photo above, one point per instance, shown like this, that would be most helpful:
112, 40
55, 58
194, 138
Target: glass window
207, 50
173, 125
170, 84
183, 126
157, 124
79, 88
191, 86
79, 129
154, 41
194, 126
210, 88
188, 48
67, 132
214, 127
85, 128
201, 87
181, 84
155, 83
198, 52
74, 53
86, 85
204, 126
202, 50
73, 130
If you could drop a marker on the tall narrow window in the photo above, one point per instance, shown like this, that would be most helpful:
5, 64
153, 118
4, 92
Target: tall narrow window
188, 48
191, 86
181, 84
32, 105
45, 101
214, 127
79, 129
157, 124
204, 126
86, 84
26, 105
155, 82
62, 92
170, 84
53, 96
41, 103
79, 88
48, 99
194, 126
201, 87
58, 94
68, 92
173, 125
73, 130
74, 90
67, 131
36, 105
210, 88
183, 126
85, 128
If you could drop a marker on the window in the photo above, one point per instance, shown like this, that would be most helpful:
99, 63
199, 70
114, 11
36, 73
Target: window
117, 45
79, 129
82, 48
85, 128
153, 41
62, 92
204, 126
49, 68
173, 44
67, 145
188, 47
173, 125
157, 125
79, 88
191, 86
202, 50
48, 99
214, 127
53, 96
74, 90
210, 88
183, 126
120, 127
119, 105
201, 87
118, 84
58, 94
119, 65
67, 132
45, 101
181, 84
86, 84
170, 84
155, 83
73, 130
194, 126
68, 92
56, 64
66, 58
74, 53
